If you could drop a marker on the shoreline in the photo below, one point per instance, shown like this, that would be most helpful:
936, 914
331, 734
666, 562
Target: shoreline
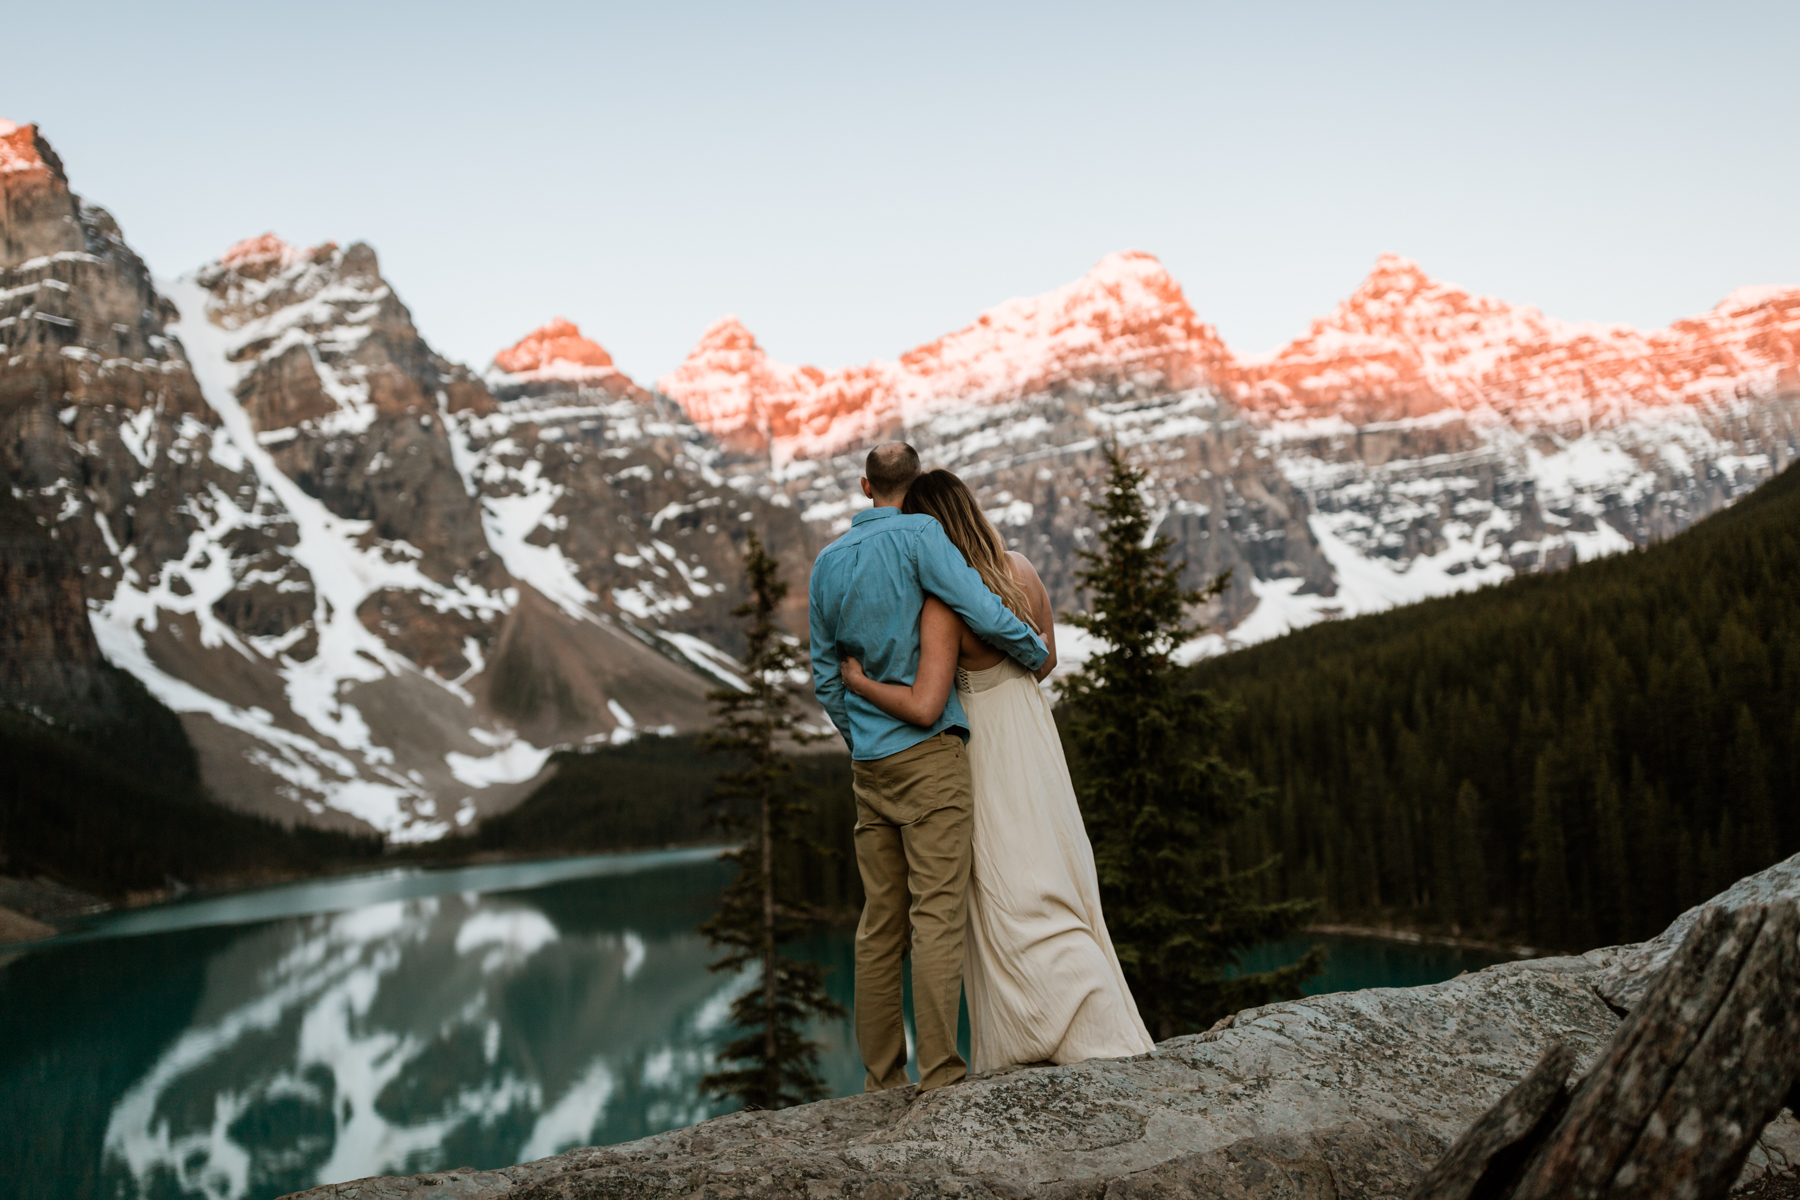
1413, 937
64, 918
67, 908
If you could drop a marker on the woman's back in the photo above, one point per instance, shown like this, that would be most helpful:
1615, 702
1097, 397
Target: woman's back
973, 654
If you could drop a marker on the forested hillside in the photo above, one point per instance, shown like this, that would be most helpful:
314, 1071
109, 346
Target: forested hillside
1572, 757
659, 791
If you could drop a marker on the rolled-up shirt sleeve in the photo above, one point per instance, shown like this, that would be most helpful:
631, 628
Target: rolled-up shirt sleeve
944, 573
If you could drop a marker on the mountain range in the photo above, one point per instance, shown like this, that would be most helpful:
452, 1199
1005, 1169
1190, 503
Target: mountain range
379, 587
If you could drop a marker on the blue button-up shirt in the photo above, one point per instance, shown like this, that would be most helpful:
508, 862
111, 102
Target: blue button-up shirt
864, 599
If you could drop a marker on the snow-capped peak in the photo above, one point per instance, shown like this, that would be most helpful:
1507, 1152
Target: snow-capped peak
1756, 296
555, 349
18, 148
554, 358
263, 249
726, 333
1124, 321
1404, 344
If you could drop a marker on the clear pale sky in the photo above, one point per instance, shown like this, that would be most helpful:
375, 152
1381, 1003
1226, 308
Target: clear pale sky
852, 180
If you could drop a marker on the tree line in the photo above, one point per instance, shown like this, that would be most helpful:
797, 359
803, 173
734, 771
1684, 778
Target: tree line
121, 809
1573, 758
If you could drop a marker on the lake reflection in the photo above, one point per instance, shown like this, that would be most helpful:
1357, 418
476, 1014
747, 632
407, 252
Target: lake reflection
406, 1035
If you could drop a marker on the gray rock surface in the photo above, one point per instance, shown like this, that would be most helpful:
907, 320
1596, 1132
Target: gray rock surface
1623, 984
1352, 1094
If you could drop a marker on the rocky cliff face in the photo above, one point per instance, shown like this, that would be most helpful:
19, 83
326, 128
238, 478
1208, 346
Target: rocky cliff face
1417, 441
1123, 323
40, 217
50, 664
105, 441
607, 495
378, 591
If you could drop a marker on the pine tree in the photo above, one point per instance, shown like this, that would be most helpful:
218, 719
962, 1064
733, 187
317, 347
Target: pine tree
1612, 716
1613, 901
1747, 788
1550, 872
1471, 869
1157, 795
758, 725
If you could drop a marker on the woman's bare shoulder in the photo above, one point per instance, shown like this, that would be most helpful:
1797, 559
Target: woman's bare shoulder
1022, 564
1023, 570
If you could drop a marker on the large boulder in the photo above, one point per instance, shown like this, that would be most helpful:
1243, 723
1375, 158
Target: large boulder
1624, 983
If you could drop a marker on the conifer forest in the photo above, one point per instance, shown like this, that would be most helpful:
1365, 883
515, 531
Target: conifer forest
1570, 758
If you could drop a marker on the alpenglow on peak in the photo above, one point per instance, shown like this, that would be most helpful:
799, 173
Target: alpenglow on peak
1124, 321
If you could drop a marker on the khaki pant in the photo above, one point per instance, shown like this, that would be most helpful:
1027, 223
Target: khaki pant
914, 814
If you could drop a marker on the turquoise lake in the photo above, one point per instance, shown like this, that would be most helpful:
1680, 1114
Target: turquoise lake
251, 1045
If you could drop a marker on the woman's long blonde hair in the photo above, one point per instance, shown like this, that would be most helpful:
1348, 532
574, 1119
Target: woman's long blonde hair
939, 493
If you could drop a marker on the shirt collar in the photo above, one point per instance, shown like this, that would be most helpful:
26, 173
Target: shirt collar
873, 514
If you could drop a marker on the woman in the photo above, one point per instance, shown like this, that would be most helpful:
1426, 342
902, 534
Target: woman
1043, 981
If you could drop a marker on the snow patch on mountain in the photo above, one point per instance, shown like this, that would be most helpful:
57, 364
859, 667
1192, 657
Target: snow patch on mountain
344, 574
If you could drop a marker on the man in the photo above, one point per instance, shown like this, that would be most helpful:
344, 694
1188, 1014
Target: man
913, 801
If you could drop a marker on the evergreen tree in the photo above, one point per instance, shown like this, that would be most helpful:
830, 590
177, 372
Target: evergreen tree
1549, 866
1471, 867
1157, 795
1636, 717
1613, 902
756, 916
1747, 788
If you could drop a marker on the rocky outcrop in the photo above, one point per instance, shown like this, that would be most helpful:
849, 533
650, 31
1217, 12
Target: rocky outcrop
1347, 1095
1358, 1091
38, 215
1624, 982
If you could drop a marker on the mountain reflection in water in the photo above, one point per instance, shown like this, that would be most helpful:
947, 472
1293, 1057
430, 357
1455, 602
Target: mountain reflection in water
248, 1046
404, 1035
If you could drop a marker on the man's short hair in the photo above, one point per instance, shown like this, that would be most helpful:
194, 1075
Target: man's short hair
891, 467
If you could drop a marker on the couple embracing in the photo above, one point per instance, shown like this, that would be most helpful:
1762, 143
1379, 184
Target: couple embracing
928, 642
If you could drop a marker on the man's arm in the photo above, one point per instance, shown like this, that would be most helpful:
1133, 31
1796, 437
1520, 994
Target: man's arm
828, 680
947, 575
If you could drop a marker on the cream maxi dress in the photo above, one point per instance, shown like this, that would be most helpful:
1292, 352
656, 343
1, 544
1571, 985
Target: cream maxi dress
1043, 981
